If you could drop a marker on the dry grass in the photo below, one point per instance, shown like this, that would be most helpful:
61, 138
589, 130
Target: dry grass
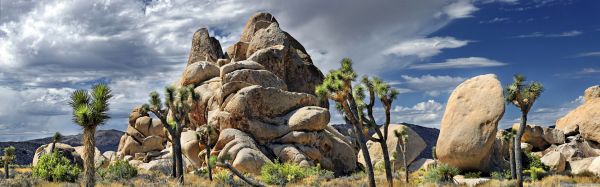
151, 179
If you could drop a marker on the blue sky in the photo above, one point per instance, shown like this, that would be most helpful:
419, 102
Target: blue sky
424, 48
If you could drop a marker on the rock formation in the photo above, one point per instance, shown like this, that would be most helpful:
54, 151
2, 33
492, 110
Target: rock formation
144, 138
541, 137
259, 96
584, 119
468, 128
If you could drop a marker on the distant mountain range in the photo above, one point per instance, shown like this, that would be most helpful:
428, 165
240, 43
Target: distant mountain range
106, 140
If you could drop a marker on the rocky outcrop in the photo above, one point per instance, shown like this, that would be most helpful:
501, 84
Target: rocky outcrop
584, 119
143, 134
415, 146
260, 99
540, 137
468, 128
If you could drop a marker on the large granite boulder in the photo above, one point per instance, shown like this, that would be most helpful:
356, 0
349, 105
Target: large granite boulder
584, 119
468, 128
198, 72
415, 146
99, 159
555, 160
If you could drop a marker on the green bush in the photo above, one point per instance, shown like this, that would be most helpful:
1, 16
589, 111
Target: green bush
443, 173
119, 170
56, 167
471, 175
534, 161
533, 172
497, 175
282, 174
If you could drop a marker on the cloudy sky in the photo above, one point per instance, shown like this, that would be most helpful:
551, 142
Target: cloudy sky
424, 48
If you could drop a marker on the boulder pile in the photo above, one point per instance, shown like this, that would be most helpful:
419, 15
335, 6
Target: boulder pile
259, 96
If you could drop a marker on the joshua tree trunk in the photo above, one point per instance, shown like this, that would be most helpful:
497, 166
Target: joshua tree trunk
89, 151
511, 150
52, 146
405, 165
6, 169
386, 161
179, 162
517, 143
174, 161
240, 175
363, 146
208, 155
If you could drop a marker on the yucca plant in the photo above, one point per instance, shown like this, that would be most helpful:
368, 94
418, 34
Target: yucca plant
55, 139
402, 136
89, 111
9, 156
350, 101
174, 113
523, 96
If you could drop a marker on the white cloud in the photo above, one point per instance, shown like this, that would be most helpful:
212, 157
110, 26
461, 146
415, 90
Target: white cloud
430, 84
468, 62
495, 20
589, 54
555, 35
460, 9
427, 113
425, 47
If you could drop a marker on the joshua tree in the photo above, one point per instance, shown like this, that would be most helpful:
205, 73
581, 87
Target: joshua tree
352, 103
337, 86
522, 96
89, 111
509, 137
175, 115
402, 136
204, 138
55, 139
9, 156
376, 88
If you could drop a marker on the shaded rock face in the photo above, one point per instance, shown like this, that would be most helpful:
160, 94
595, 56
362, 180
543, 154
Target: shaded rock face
260, 99
204, 47
468, 128
584, 119
415, 146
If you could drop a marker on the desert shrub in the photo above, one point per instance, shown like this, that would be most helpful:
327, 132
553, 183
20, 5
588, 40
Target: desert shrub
443, 173
533, 172
282, 174
473, 174
225, 178
56, 167
534, 161
497, 175
119, 170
